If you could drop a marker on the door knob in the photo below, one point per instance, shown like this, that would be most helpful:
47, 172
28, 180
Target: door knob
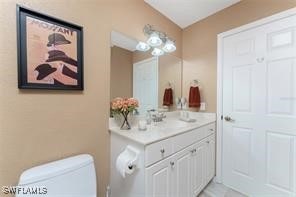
260, 60
228, 119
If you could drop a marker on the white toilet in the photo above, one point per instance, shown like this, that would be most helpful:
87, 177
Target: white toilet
74, 176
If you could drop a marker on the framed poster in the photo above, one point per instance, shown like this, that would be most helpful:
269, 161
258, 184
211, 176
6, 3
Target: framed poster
50, 52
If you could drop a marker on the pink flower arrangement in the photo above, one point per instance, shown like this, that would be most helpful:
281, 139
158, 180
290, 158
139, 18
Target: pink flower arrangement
124, 105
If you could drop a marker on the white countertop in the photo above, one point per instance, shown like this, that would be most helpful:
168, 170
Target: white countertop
169, 127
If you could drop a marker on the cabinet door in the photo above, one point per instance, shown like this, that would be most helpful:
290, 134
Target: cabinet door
209, 159
198, 168
159, 179
182, 174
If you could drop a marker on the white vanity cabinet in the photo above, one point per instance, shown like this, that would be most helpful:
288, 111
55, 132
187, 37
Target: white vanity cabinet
180, 165
185, 173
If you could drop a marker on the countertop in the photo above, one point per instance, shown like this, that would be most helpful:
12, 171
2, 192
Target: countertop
169, 127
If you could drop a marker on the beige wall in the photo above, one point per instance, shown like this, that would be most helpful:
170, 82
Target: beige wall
121, 73
38, 126
200, 42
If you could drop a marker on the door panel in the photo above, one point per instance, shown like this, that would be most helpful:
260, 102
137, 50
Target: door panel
280, 162
198, 168
159, 180
280, 80
182, 172
283, 38
259, 94
242, 144
210, 151
242, 76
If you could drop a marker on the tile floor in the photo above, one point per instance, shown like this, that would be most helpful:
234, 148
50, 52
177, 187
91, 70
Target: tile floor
219, 190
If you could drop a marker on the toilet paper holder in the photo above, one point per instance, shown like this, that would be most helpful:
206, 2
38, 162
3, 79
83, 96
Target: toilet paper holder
131, 166
127, 160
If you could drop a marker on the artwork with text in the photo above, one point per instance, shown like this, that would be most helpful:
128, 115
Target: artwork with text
51, 54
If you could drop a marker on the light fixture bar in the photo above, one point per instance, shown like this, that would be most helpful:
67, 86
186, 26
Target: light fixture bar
158, 40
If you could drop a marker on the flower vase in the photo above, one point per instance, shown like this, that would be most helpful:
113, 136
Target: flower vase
125, 125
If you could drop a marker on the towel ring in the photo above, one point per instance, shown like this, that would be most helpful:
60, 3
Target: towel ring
169, 85
194, 82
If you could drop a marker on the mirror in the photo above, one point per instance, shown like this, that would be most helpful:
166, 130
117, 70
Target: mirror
154, 81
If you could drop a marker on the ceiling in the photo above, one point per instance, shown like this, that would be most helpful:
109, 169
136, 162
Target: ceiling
187, 12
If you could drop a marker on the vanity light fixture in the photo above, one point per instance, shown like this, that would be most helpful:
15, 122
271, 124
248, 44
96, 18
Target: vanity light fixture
157, 52
142, 46
169, 46
158, 40
154, 40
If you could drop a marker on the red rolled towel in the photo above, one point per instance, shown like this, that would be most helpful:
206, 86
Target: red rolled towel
194, 97
168, 97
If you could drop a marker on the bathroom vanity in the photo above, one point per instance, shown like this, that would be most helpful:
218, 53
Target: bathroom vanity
176, 158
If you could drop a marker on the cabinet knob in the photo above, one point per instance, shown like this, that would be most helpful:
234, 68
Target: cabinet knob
211, 129
208, 141
193, 151
260, 60
162, 150
172, 163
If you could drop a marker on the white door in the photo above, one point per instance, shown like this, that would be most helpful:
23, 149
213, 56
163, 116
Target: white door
145, 84
259, 105
159, 179
198, 168
182, 174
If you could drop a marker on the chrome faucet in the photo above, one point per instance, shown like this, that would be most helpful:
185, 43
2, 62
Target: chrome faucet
155, 115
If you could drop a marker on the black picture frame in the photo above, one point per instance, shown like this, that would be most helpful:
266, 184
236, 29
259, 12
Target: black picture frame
72, 80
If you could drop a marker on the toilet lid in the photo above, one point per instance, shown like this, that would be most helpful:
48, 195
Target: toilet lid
52, 169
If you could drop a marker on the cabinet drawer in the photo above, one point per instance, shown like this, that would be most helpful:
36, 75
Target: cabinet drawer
183, 140
212, 138
210, 129
157, 151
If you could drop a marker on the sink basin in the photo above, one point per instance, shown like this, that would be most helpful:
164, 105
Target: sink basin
172, 124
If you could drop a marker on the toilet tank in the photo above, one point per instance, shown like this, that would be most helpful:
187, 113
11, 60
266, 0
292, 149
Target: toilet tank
74, 176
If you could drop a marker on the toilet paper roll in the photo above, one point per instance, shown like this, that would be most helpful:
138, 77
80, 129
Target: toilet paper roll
126, 162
